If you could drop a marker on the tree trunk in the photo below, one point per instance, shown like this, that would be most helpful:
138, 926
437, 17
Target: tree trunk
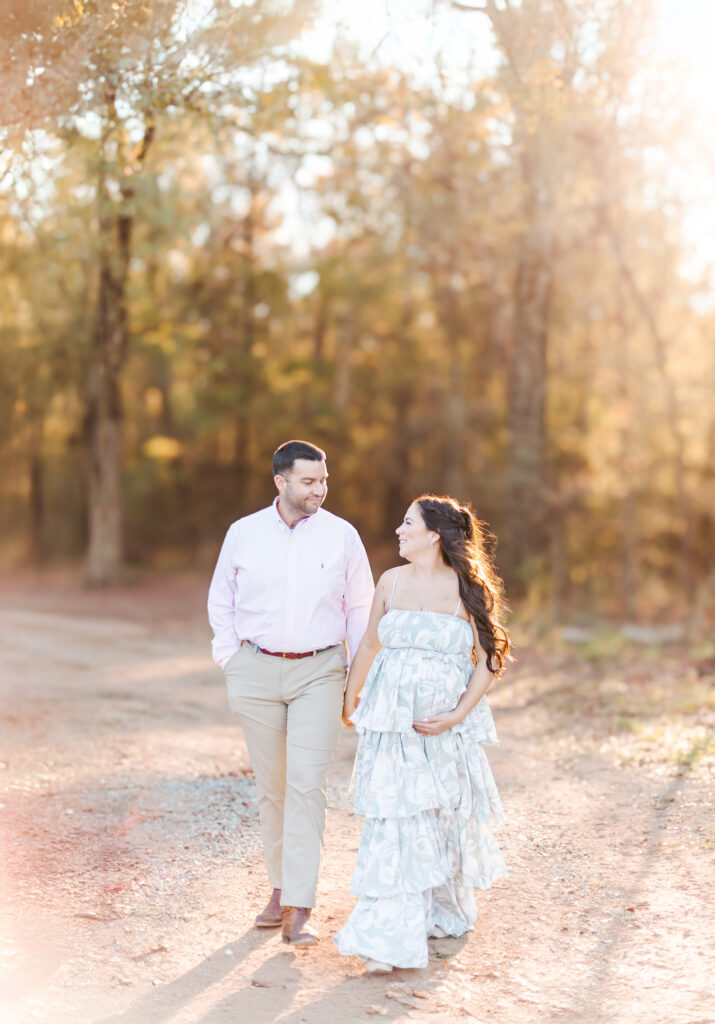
398, 488
319, 330
684, 573
629, 506
104, 426
525, 35
104, 556
248, 381
37, 493
346, 339
455, 412
398, 483
526, 470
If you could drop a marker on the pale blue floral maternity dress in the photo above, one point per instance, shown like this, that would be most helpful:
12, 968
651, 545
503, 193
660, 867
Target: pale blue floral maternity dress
427, 800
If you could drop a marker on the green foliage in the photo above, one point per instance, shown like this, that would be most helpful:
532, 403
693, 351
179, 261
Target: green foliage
332, 251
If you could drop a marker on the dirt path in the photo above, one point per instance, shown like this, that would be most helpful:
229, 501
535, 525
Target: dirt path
132, 867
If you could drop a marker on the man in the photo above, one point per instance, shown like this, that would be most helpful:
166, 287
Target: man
292, 583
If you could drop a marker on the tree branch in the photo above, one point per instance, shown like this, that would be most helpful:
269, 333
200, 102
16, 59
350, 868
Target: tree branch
149, 132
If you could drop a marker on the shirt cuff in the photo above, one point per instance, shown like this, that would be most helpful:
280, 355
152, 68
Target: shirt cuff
224, 661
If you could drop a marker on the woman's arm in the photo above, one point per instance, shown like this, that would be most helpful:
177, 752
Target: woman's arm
369, 646
479, 682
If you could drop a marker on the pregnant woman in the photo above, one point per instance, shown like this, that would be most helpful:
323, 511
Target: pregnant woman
416, 694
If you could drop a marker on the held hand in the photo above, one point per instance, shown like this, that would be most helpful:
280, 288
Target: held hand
348, 710
437, 724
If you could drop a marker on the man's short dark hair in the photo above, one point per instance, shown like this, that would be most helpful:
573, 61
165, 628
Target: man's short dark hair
286, 454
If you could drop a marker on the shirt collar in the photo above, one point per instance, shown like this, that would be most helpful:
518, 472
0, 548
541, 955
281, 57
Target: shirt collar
302, 523
276, 514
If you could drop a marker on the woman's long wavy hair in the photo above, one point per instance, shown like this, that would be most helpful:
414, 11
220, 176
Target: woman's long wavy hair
463, 542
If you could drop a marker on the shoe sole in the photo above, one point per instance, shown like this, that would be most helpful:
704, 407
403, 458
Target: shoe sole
268, 924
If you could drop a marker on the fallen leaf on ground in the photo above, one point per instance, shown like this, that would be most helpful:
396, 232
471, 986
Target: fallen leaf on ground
149, 952
401, 994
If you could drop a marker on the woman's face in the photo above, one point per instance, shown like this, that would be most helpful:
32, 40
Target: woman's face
414, 538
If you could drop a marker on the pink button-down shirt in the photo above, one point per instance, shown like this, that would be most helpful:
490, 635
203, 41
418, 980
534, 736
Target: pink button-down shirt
289, 590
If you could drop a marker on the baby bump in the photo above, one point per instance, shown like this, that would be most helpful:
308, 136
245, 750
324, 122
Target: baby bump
427, 705
437, 688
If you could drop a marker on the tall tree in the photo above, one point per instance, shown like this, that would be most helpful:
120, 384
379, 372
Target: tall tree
118, 72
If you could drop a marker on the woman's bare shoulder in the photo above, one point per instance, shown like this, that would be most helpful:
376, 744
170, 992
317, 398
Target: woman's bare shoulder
388, 578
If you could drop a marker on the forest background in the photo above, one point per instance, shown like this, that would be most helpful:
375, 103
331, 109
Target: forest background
451, 247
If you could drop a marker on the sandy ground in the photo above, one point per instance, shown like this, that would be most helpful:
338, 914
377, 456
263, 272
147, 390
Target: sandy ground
131, 863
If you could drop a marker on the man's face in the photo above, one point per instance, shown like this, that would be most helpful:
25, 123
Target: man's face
304, 487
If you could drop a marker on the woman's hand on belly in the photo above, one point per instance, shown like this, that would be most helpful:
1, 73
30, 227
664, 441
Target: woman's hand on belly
436, 724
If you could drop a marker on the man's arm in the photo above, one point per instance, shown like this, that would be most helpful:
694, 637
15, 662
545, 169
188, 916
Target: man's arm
359, 591
221, 602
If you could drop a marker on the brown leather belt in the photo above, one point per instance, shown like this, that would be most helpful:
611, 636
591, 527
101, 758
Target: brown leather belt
287, 654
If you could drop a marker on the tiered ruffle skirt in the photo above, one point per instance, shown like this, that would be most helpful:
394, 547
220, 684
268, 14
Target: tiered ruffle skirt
428, 804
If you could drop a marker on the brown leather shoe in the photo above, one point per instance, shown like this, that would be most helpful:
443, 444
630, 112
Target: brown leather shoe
272, 916
296, 929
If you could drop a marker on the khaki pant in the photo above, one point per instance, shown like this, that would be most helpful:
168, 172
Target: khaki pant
290, 714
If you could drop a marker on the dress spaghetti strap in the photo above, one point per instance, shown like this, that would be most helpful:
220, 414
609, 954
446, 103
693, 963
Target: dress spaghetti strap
394, 584
456, 610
